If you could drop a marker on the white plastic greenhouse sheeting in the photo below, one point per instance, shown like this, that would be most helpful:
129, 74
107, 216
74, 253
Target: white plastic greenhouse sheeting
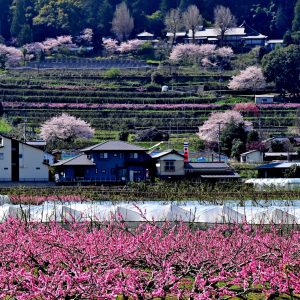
197, 213
275, 183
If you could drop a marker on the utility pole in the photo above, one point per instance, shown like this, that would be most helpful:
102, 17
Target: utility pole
25, 129
219, 140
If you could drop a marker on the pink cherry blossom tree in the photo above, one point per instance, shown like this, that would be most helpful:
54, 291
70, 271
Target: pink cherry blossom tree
130, 46
34, 48
206, 54
66, 128
53, 43
11, 55
110, 45
86, 36
209, 131
251, 79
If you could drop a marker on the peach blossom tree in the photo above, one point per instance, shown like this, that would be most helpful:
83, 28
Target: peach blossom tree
251, 79
66, 128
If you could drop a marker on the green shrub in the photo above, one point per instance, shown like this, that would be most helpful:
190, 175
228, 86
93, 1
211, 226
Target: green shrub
113, 72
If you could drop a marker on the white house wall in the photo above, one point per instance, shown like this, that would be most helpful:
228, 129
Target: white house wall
5, 163
31, 164
178, 162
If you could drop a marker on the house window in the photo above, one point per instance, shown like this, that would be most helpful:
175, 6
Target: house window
103, 171
116, 154
134, 155
38, 168
1, 156
1, 141
20, 156
96, 171
170, 166
103, 155
113, 171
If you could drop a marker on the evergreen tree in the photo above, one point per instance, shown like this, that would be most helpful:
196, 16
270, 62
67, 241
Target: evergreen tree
104, 17
282, 66
296, 21
232, 132
19, 18
25, 35
4, 15
166, 5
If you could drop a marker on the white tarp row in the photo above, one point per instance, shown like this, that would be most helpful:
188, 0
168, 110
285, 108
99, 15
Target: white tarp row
81, 212
261, 184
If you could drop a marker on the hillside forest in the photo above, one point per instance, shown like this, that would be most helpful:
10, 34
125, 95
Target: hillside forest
25, 21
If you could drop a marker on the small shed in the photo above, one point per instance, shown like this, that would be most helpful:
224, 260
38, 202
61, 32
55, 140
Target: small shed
264, 99
253, 156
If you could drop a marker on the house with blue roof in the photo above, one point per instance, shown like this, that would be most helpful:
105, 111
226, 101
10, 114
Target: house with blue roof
276, 169
112, 162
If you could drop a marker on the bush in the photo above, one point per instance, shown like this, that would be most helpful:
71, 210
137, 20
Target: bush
113, 72
157, 78
123, 135
152, 135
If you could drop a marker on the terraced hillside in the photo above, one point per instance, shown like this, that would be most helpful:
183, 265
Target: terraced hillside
127, 100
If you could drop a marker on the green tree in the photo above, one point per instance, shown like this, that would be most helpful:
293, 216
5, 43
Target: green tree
238, 147
233, 131
18, 18
283, 67
252, 136
60, 17
4, 16
296, 20
25, 35
104, 17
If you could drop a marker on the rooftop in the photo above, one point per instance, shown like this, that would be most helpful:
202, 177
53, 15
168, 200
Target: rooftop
207, 165
278, 165
114, 146
79, 160
166, 152
145, 34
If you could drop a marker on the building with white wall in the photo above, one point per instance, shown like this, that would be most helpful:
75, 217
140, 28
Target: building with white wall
21, 162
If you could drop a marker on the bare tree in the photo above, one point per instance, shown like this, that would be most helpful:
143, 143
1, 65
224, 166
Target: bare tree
173, 23
224, 20
192, 19
122, 23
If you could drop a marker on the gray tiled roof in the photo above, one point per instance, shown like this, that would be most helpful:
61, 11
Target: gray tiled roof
224, 176
114, 146
79, 160
208, 165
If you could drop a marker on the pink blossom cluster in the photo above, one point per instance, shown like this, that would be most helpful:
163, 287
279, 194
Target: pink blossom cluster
112, 46
111, 106
207, 54
86, 35
49, 44
248, 107
12, 55
251, 79
209, 131
130, 46
66, 127
81, 261
37, 200
279, 106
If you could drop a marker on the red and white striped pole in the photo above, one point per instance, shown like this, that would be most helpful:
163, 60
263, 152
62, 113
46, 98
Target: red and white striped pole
186, 151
